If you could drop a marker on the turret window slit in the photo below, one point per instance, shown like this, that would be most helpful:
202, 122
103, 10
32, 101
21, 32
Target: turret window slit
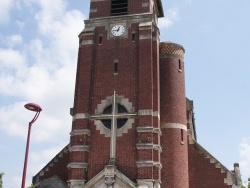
180, 66
182, 137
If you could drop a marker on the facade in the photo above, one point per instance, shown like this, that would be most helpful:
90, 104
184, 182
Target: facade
132, 123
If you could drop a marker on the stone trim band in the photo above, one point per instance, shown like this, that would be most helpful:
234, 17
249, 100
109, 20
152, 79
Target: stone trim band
156, 147
146, 112
142, 164
80, 132
148, 129
79, 148
173, 126
81, 116
78, 165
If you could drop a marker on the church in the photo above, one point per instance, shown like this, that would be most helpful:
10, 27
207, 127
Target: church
132, 124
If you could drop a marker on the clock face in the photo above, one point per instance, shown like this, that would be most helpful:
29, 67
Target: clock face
117, 30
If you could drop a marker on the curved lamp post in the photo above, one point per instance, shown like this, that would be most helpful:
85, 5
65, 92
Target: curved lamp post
36, 108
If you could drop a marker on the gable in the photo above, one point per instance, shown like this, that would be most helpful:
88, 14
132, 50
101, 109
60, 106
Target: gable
53, 182
56, 167
110, 175
206, 171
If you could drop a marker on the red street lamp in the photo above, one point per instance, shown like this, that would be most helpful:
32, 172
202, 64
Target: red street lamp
36, 108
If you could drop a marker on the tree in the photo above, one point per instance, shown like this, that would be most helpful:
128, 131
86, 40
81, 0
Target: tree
31, 186
1, 180
248, 184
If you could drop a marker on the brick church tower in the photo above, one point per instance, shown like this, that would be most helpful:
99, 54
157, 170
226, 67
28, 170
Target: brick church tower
117, 130
132, 124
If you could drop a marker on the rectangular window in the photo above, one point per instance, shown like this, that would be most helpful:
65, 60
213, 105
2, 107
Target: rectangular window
133, 37
119, 7
100, 39
182, 137
116, 68
179, 64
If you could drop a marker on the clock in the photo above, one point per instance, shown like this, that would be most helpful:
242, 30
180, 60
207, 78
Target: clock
118, 30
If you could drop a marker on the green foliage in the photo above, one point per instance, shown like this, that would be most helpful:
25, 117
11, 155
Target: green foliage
248, 184
31, 186
1, 180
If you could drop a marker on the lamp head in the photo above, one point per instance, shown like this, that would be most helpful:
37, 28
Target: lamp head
33, 107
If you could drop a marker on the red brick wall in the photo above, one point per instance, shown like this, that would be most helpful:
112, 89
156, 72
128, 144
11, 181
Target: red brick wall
138, 66
173, 98
59, 168
135, 7
102, 8
82, 105
174, 156
125, 83
134, 81
202, 173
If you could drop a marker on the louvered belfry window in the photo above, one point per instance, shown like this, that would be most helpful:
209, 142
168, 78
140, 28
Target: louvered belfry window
119, 7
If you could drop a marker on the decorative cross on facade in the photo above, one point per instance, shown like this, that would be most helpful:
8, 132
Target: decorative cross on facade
115, 116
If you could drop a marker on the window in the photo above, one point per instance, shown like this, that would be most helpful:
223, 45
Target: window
116, 111
100, 39
180, 67
182, 137
120, 121
133, 37
116, 68
119, 7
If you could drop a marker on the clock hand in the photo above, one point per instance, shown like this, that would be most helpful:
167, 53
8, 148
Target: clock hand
118, 29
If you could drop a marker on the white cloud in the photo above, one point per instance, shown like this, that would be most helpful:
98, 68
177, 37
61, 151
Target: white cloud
12, 70
18, 126
5, 10
171, 16
16, 181
20, 24
14, 40
245, 157
189, 1
37, 160
42, 71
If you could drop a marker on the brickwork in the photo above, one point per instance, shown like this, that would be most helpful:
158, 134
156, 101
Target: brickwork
83, 77
125, 51
56, 167
173, 110
173, 99
154, 151
53, 182
59, 168
138, 7
203, 173
99, 9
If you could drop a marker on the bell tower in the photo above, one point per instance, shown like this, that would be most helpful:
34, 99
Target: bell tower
116, 129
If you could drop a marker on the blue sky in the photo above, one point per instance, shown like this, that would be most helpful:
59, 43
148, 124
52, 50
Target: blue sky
38, 51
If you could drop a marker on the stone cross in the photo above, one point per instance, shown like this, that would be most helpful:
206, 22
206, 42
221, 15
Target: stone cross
114, 117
